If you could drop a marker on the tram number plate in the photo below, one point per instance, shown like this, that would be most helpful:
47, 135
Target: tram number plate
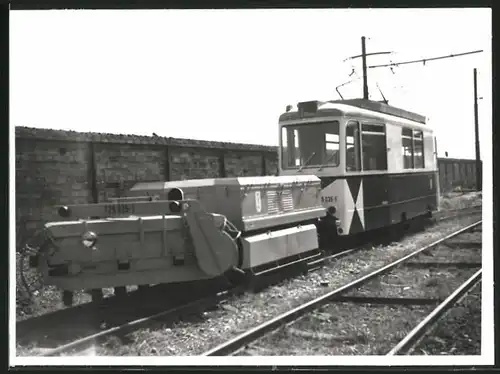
328, 199
118, 209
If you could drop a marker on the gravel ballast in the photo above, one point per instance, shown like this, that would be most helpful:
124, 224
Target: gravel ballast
371, 325
417, 283
458, 332
376, 330
198, 332
46, 299
210, 328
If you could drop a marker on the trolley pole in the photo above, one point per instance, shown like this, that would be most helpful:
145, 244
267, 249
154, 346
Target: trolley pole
479, 186
365, 77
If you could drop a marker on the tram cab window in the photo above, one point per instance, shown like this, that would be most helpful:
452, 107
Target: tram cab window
374, 147
332, 148
285, 148
353, 159
314, 144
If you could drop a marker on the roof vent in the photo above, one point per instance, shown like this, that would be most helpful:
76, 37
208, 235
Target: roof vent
308, 107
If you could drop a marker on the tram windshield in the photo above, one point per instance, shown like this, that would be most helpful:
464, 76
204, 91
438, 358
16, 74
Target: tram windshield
312, 144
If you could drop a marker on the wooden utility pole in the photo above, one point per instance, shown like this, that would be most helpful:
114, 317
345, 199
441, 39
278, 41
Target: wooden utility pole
363, 56
365, 77
479, 186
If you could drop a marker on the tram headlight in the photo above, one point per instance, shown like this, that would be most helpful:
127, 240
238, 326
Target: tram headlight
332, 210
64, 211
175, 207
89, 239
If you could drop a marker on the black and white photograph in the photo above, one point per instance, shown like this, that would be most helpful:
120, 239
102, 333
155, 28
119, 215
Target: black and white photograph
272, 187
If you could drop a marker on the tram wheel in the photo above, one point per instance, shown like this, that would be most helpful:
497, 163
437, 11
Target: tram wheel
97, 295
120, 291
67, 298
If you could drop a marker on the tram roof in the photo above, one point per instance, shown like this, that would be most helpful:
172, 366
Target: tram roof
345, 107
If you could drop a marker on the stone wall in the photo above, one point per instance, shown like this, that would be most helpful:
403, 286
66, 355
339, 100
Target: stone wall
68, 167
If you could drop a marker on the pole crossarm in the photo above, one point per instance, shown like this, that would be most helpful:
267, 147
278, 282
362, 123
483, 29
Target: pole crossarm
368, 54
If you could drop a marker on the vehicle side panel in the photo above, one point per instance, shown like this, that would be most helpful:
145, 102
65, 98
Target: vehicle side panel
368, 202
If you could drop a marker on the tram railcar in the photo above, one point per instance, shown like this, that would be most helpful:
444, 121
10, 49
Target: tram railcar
377, 163
345, 167
182, 231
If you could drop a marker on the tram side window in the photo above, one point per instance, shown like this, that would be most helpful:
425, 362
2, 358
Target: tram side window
413, 149
353, 159
374, 147
418, 141
407, 148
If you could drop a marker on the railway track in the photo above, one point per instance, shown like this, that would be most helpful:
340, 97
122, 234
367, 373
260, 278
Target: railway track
415, 336
77, 326
65, 337
83, 308
314, 326
113, 317
94, 316
456, 213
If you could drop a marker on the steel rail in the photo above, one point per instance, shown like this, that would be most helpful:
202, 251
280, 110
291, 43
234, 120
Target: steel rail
455, 213
213, 298
423, 327
135, 323
139, 322
339, 255
253, 334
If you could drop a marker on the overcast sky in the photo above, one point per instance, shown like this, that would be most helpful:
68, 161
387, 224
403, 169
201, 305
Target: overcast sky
227, 75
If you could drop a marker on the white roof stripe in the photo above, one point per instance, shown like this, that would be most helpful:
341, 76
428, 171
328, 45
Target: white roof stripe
348, 110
